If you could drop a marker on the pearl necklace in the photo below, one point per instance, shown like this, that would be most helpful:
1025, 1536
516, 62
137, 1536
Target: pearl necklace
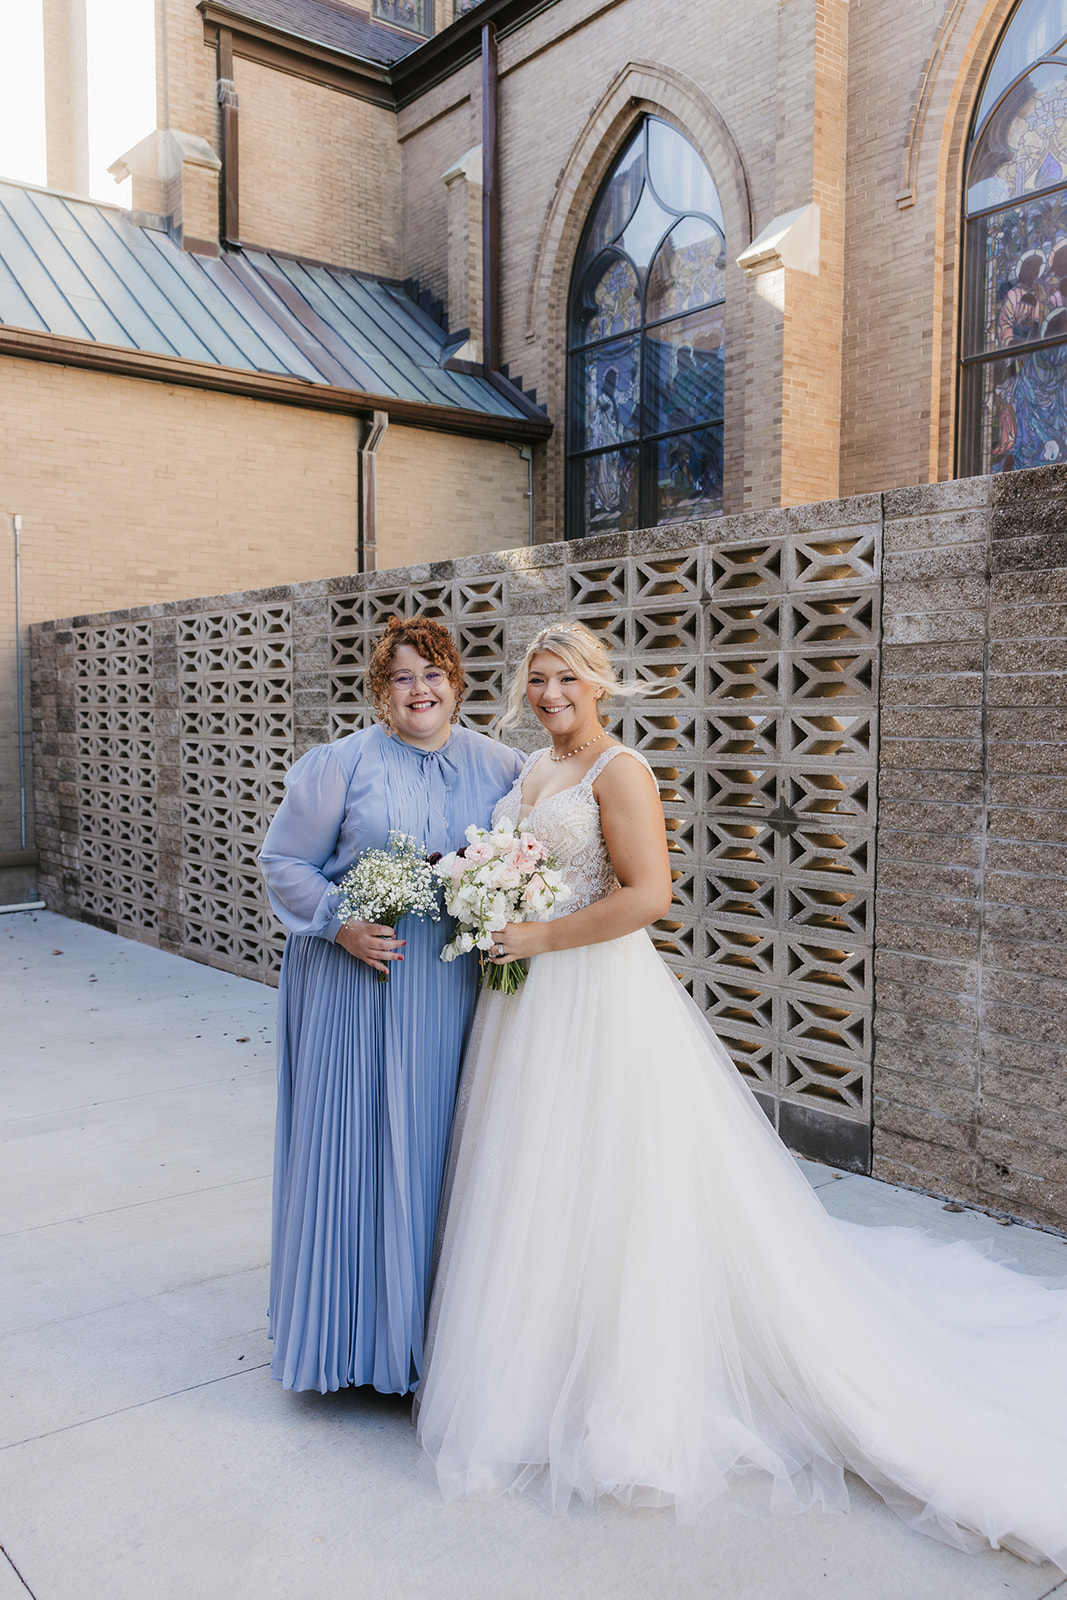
581, 747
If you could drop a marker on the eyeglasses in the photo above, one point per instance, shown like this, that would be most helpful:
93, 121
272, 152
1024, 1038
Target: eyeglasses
433, 679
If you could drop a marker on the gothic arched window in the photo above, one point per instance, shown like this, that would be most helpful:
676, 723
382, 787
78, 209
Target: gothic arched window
646, 343
1013, 392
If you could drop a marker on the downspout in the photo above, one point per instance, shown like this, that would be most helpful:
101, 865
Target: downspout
367, 549
21, 857
226, 95
490, 206
526, 454
16, 529
491, 237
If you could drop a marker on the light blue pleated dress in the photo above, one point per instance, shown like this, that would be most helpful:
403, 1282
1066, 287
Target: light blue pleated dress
366, 1070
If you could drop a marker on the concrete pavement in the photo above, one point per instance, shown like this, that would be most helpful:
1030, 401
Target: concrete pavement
145, 1453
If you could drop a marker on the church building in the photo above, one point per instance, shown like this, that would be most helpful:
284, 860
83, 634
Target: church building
418, 279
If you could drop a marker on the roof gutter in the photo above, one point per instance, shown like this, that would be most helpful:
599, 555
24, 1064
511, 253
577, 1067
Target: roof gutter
273, 387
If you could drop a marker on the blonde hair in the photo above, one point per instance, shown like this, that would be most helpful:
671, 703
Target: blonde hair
587, 656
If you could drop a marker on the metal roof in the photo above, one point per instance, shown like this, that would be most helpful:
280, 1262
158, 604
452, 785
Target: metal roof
85, 271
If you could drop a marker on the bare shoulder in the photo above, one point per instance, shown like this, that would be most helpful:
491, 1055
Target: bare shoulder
629, 781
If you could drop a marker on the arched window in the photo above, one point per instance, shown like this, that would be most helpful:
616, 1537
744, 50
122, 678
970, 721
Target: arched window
646, 343
1013, 391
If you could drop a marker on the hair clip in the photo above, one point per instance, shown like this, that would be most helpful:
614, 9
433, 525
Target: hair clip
562, 627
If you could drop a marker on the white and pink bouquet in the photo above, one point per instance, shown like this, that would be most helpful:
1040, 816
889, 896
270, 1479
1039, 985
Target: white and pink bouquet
384, 885
496, 878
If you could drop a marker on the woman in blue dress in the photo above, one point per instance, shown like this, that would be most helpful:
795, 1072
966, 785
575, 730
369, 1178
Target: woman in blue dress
367, 1070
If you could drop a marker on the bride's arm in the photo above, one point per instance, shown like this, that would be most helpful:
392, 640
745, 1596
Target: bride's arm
632, 819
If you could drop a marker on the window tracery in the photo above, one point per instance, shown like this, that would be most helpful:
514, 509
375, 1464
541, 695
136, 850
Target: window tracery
647, 343
414, 15
1013, 396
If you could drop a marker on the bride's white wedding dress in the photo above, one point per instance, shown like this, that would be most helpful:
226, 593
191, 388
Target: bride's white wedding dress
639, 1295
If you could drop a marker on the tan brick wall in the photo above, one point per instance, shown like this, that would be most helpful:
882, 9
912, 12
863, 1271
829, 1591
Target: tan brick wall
811, 348
901, 259
861, 361
439, 494
574, 58
134, 492
434, 133
185, 99
319, 171
852, 384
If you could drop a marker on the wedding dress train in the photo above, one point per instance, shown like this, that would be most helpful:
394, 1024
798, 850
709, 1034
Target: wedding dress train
639, 1295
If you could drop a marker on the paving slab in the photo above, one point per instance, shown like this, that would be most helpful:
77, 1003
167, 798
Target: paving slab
145, 1453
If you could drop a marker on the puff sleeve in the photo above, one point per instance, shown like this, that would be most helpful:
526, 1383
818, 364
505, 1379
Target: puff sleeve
302, 839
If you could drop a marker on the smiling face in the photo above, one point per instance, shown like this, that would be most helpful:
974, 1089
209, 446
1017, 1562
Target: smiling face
421, 699
561, 701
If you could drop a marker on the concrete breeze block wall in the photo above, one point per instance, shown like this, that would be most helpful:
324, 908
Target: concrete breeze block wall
971, 1003
860, 752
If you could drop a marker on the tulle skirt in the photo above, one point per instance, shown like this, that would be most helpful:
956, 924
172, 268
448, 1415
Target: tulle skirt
639, 1295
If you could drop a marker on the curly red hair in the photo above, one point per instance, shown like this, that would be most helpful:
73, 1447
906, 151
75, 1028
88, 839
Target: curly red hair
433, 642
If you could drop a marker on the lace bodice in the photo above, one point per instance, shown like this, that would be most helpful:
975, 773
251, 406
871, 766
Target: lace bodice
568, 823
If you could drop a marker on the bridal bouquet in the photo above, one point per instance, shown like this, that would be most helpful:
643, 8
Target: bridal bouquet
384, 885
497, 878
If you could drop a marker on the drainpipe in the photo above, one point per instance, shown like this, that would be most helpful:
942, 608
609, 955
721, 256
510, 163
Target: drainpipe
16, 529
374, 433
21, 857
226, 95
526, 454
490, 206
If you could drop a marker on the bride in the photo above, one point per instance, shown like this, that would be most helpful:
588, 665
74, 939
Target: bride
638, 1293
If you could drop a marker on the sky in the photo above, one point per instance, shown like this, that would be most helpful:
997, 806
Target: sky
121, 89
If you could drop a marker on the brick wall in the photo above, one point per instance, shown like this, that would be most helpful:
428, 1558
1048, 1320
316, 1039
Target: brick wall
434, 132
319, 171
849, 383
914, 73
186, 95
133, 492
441, 496
861, 756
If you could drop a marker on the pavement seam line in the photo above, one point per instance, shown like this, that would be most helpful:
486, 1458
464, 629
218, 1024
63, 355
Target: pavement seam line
105, 1416
17, 1573
136, 1205
267, 1069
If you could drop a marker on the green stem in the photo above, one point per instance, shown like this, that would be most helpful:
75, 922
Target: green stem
506, 979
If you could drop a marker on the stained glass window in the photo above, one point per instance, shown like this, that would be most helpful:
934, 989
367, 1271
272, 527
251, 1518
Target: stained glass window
1013, 393
415, 15
647, 343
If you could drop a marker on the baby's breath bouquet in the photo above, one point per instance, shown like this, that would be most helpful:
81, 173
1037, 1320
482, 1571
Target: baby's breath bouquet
384, 885
498, 877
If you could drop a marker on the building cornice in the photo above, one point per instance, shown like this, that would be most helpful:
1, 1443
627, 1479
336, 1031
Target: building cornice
270, 387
